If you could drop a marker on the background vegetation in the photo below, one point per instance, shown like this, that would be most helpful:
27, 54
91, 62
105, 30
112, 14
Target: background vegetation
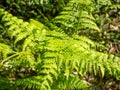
60, 44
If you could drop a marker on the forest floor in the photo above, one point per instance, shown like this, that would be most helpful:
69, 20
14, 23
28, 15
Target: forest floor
110, 31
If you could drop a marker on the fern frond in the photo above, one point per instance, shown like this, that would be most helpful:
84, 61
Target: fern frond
74, 17
4, 51
70, 83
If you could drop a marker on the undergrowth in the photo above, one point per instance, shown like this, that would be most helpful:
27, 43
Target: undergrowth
36, 56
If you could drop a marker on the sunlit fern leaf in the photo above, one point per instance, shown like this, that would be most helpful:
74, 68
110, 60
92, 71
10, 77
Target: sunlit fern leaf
4, 50
19, 29
84, 39
7, 15
8, 23
27, 43
87, 14
21, 36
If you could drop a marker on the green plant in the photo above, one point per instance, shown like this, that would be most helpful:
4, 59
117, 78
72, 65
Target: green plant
39, 57
77, 15
107, 18
42, 10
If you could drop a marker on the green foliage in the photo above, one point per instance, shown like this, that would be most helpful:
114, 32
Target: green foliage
38, 9
70, 83
106, 13
45, 58
76, 16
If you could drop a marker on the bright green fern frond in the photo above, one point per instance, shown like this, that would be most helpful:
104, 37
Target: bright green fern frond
4, 51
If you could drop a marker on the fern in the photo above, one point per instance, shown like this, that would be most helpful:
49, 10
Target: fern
46, 59
70, 83
74, 18
32, 40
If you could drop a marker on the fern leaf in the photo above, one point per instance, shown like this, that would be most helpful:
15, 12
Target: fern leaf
76, 19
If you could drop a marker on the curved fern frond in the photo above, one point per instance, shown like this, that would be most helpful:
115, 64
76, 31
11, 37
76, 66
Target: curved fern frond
36, 48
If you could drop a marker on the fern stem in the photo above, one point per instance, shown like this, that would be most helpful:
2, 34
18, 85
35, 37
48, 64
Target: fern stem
14, 55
